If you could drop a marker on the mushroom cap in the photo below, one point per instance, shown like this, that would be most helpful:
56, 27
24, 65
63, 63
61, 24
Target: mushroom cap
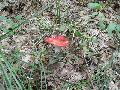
60, 41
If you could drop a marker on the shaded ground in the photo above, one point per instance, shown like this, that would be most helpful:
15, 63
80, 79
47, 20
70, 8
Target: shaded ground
91, 61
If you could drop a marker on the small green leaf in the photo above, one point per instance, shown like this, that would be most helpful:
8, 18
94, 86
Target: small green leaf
101, 25
18, 17
94, 14
3, 18
113, 27
78, 34
94, 6
5, 30
118, 27
9, 21
15, 25
101, 16
110, 28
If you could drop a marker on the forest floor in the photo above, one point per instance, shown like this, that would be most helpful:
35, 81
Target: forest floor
30, 60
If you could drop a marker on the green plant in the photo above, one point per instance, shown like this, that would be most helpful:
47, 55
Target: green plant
77, 86
95, 6
12, 26
11, 76
15, 77
58, 11
101, 80
113, 27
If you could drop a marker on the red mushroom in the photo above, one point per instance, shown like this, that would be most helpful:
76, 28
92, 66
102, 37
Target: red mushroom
57, 41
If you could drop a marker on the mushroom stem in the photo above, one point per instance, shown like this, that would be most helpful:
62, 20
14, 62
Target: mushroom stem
57, 49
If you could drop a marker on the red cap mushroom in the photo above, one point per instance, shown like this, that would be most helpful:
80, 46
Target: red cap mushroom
57, 41
60, 41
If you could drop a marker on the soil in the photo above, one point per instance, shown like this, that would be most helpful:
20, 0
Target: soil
72, 64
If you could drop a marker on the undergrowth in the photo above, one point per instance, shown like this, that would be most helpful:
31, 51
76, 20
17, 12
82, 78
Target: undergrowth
33, 76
